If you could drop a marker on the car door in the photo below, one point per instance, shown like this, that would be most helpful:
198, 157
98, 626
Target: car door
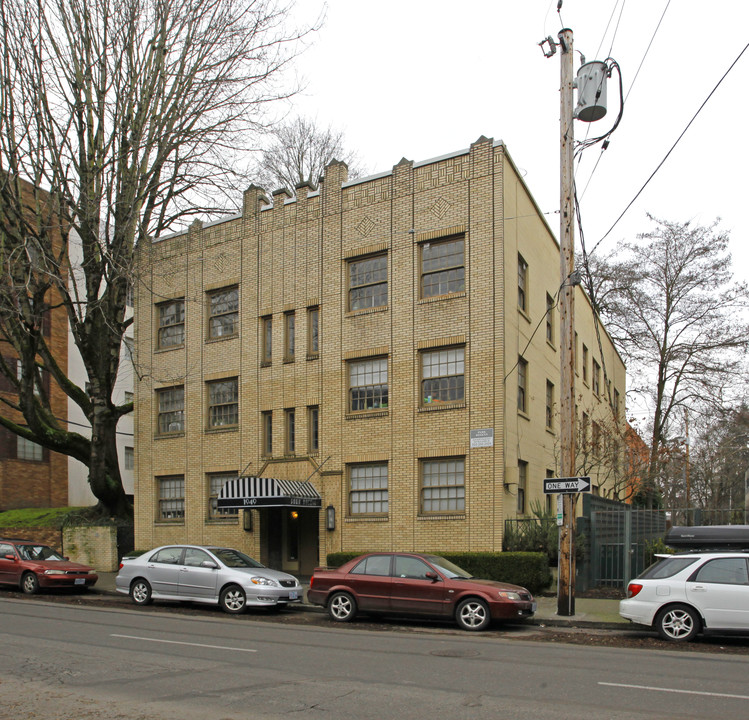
720, 589
195, 580
9, 568
413, 592
162, 571
370, 581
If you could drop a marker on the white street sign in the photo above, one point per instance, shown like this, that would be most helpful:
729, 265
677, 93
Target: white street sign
566, 485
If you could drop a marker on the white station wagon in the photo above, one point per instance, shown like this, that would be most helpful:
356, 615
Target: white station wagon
695, 591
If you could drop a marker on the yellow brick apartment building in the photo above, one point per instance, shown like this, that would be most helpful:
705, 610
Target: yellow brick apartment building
386, 347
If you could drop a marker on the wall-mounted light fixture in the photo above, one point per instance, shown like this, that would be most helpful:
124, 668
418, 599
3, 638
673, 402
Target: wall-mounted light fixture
330, 517
247, 520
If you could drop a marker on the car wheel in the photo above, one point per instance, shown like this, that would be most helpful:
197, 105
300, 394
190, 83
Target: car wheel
140, 592
30, 583
678, 623
232, 599
472, 614
342, 607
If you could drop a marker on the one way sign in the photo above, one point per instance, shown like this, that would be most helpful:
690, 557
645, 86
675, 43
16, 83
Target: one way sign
566, 485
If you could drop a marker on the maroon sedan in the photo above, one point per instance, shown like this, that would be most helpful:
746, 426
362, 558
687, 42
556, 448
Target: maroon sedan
416, 584
32, 566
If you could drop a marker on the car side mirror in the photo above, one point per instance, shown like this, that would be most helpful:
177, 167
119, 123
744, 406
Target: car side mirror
209, 564
10, 557
432, 576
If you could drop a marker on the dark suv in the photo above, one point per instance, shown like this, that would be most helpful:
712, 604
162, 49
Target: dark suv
31, 566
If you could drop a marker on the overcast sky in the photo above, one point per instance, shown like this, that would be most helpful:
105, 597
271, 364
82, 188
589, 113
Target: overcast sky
421, 78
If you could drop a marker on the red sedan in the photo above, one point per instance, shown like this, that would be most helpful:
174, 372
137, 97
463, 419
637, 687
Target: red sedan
416, 584
31, 566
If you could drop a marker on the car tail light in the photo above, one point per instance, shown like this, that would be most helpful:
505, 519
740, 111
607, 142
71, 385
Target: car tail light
121, 564
633, 589
311, 580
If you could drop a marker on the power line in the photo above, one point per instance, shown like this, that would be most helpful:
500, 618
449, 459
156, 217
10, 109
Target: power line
652, 175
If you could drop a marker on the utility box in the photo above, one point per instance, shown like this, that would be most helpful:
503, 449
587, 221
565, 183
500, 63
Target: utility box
591, 91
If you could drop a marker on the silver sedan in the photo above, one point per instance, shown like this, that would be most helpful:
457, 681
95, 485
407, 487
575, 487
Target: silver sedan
213, 575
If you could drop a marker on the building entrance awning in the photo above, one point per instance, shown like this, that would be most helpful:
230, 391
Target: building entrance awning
257, 492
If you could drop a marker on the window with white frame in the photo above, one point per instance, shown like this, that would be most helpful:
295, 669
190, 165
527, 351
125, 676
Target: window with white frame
368, 489
368, 384
223, 403
368, 282
171, 404
129, 458
28, 450
442, 267
171, 324
216, 481
443, 485
443, 375
223, 313
171, 491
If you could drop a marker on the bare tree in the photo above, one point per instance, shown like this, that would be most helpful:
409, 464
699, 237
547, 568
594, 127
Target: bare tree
678, 318
298, 152
126, 117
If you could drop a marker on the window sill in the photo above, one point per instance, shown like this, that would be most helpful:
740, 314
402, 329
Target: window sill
367, 414
265, 363
169, 436
551, 345
442, 516
366, 311
550, 430
219, 430
223, 337
222, 521
168, 349
313, 356
289, 360
366, 518
524, 314
524, 415
436, 406
169, 523
437, 298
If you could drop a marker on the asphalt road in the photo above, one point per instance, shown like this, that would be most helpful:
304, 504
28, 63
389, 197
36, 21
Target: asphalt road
63, 661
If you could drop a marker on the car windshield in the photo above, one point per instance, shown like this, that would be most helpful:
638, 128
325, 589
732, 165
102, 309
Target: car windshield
235, 559
667, 567
38, 552
451, 570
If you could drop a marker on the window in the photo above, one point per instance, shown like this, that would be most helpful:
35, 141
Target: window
584, 431
551, 505
313, 428
223, 403
522, 485
443, 485
313, 331
171, 410
549, 405
585, 363
194, 557
171, 498
215, 483
266, 420
368, 283
28, 450
373, 565
171, 324
368, 384
617, 404
266, 325
129, 396
577, 355
411, 568
129, 458
290, 422
595, 439
549, 319
596, 378
289, 350
223, 313
522, 385
442, 267
130, 295
368, 489
727, 571
442, 373
522, 284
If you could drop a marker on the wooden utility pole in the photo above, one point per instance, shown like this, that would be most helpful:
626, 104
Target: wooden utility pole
566, 591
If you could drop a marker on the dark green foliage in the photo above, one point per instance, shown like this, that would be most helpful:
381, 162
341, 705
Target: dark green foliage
528, 569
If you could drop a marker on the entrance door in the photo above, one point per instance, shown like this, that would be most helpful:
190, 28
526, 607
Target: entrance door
291, 540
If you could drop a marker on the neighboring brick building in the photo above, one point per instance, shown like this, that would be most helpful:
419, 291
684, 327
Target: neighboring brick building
368, 336
30, 475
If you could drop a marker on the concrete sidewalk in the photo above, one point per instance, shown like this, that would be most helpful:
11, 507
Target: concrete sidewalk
589, 612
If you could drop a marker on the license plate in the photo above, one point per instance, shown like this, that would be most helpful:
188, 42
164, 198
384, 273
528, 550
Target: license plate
293, 595
80, 581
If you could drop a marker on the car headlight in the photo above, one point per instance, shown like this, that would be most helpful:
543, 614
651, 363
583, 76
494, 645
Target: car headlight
509, 595
54, 572
260, 580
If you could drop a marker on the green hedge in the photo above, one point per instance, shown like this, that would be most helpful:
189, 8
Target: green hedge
529, 569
